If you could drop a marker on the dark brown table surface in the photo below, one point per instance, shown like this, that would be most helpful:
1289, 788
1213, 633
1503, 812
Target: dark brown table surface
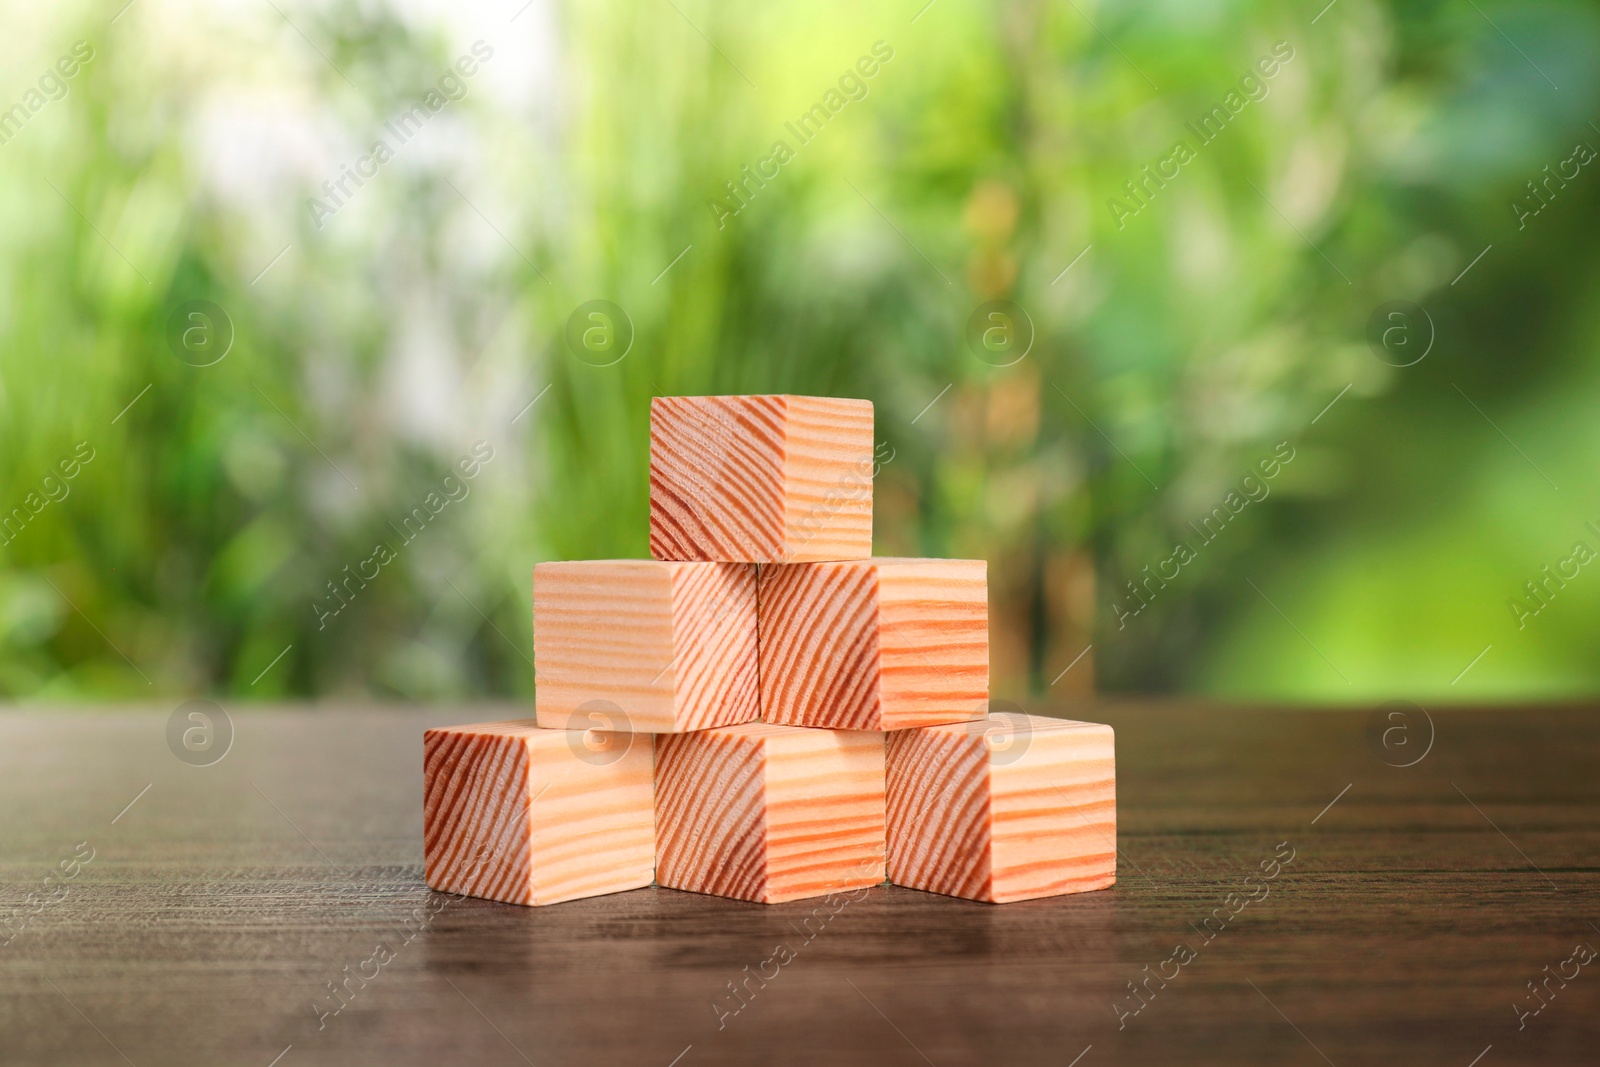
216, 910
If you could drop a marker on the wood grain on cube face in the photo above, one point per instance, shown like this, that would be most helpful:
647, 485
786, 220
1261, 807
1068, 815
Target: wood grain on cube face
594, 813
828, 479
529, 816
710, 818
933, 617
1011, 808
938, 810
1054, 812
878, 644
760, 478
715, 670
819, 645
602, 631
716, 477
825, 812
770, 813
644, 645
477, 830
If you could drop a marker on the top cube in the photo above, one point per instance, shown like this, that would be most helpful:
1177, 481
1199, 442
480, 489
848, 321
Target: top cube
760, 479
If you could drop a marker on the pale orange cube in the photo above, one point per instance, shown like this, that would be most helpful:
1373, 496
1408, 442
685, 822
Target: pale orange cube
514, 813
760, 479
645, 645
1009, 808
875, 644
770, 813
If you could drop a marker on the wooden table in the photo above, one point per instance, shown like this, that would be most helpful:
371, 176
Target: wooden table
218, 910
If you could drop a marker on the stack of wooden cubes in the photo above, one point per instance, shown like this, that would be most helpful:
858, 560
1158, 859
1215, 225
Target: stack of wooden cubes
763, 710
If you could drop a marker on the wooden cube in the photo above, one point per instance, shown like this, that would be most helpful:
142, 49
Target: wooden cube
770, 813
875, 644
1010, 808
644, 645
760, 479
514, 813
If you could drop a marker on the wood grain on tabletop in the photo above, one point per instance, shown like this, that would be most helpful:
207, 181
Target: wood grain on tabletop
216, 918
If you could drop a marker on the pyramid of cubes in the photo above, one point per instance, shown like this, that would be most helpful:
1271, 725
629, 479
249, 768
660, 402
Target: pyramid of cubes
764, 710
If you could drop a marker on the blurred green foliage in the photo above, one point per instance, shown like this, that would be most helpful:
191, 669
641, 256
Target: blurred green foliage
1177, 337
